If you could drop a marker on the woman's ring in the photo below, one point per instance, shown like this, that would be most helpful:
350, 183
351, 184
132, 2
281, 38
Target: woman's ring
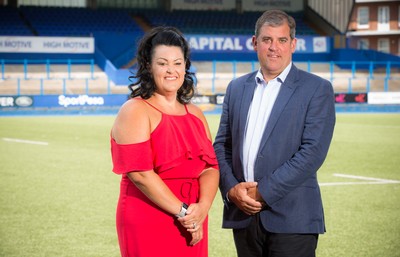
194, 225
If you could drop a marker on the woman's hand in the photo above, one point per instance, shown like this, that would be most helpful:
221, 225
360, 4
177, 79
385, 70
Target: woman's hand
197, 235
197, 212
195, 216
193, 221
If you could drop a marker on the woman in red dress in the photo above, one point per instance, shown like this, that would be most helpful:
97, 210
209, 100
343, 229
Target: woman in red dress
161, 145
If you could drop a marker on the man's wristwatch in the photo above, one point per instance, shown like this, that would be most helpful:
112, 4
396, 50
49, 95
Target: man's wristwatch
182, 213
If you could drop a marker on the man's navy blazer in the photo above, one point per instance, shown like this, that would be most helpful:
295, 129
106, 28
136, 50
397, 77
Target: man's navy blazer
293, 147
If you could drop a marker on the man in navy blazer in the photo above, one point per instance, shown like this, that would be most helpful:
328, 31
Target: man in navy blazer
274, 134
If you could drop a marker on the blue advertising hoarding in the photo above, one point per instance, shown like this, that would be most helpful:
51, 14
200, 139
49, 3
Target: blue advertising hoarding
208, 47
61, 101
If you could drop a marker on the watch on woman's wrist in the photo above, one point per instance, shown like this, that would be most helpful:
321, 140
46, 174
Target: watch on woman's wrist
182, 213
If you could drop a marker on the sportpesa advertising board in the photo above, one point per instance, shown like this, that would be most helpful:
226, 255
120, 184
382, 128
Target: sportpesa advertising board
99, 101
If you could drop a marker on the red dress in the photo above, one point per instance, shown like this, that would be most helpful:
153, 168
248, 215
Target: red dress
178, 150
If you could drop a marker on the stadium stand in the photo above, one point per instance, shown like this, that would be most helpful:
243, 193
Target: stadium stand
11, 22
124, 26
217, 22
117, 30
75, 21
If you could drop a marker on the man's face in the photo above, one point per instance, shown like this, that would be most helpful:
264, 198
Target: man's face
274, 49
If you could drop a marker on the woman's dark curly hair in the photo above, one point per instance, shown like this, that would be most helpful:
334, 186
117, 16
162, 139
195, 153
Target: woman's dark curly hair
144, 85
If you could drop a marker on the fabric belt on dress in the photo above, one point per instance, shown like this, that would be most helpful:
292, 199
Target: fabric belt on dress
189, 189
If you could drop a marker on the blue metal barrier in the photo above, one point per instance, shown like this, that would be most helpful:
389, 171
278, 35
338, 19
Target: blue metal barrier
347, 72
48, 63
371, 71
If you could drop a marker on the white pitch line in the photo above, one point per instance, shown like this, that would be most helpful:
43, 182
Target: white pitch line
357, 183
16, 140
368, 181
366, 178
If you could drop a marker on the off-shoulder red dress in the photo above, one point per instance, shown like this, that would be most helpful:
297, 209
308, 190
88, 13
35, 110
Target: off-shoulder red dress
178, 151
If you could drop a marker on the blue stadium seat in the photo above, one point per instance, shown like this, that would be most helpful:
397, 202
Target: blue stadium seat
11, 22
75, 21
217, 22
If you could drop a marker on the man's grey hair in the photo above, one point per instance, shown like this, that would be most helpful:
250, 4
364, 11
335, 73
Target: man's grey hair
275, 18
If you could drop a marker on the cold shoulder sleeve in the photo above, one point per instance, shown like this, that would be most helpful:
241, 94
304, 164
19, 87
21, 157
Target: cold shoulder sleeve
208, 155
131, 157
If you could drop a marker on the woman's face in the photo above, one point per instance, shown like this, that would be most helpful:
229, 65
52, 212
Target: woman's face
168, 68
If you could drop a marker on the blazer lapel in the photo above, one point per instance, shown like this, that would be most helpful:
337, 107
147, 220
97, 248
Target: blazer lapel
247, 97
286, 91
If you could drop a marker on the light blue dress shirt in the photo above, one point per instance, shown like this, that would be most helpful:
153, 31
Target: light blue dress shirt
264, 98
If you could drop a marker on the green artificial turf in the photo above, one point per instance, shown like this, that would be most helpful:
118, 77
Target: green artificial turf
58, 194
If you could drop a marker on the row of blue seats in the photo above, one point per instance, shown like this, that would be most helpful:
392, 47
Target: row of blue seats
78, 21
63, 21
216, 22
11, 23
84, 21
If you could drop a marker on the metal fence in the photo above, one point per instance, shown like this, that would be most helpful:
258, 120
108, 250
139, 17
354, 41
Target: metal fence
346, 77
71, 76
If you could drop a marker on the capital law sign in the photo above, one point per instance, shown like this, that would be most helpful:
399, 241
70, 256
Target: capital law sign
243, 44
70, 45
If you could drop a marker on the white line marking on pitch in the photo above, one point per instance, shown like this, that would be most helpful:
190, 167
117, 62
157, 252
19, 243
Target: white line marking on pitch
16, 140
367, 181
